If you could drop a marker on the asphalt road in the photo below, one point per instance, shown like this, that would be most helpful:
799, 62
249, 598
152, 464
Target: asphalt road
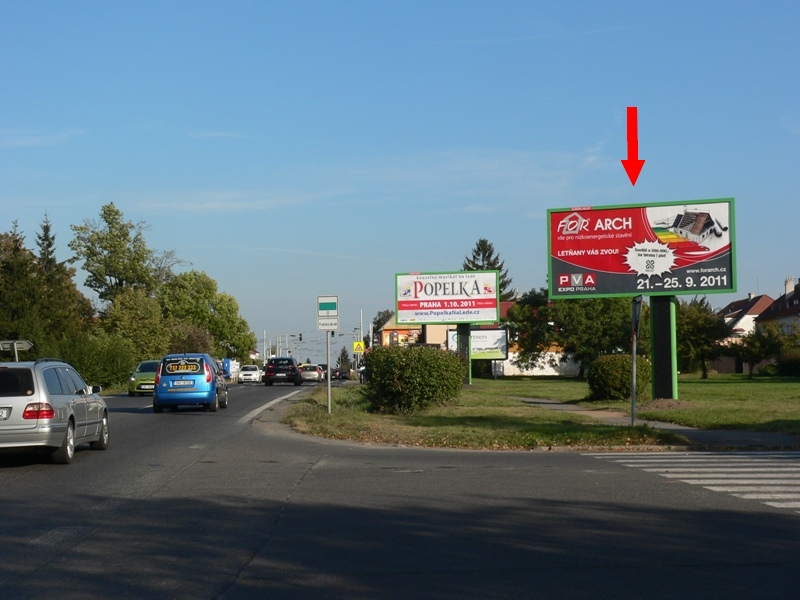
232, 505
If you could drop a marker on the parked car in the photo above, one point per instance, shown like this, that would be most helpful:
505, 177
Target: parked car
311, 373
324, 368
47, 404
143, 379
282, 369
190, 380
249, 373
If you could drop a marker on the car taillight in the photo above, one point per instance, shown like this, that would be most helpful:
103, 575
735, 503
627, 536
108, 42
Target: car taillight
38, 410
158, 376
208, 374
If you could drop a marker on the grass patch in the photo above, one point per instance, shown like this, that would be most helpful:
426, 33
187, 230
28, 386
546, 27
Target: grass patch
732, 402
490, 415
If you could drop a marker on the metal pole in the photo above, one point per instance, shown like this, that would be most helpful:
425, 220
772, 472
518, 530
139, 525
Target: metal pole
636, 312
633, 379
328, 358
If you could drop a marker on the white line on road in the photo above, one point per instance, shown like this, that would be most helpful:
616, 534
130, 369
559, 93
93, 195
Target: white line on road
254, 413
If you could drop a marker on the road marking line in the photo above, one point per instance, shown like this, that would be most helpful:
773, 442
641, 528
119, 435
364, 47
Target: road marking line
254, 413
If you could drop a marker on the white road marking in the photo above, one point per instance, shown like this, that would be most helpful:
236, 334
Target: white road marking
773, 478
254, 413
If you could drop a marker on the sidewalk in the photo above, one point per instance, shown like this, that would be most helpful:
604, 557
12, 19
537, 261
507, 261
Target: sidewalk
699, 439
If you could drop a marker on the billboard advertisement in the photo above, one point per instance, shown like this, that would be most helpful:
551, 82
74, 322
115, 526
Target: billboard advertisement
485, 344
672, 248
453, 297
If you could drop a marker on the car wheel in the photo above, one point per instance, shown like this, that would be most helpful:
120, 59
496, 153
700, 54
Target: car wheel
224, 403
64, 454
267, 383
131, 394
158, 409
298, 382
102, 442
214, 406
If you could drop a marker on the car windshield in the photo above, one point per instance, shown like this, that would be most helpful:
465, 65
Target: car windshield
249, 368
148, 367
309, 368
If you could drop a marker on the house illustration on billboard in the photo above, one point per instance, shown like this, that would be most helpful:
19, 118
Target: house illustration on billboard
694, 226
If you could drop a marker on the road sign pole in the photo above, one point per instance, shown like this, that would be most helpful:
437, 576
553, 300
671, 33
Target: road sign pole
328, 370
328, 320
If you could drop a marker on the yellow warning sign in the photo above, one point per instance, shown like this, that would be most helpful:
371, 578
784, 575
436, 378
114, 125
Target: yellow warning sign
358, 347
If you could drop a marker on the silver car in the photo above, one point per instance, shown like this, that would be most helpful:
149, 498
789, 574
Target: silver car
249, 373
47, 404
311, 373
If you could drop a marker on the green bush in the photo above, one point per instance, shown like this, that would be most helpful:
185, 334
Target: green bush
101, 359
610, 378
404, 380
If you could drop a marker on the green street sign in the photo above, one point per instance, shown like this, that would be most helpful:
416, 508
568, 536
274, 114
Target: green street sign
327, 306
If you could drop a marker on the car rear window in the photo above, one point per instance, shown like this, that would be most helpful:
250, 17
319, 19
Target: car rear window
182, 365
15, 382
281, 362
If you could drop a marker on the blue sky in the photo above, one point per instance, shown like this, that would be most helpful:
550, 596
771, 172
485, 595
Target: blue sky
298, 149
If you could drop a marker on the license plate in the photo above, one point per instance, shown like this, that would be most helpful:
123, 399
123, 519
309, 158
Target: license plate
4, 414
183, 382
146, 386
280, 374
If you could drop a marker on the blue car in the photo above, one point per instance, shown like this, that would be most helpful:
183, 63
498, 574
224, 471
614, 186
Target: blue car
190, 380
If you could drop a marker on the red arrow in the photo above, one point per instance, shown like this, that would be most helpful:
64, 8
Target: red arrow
633, 166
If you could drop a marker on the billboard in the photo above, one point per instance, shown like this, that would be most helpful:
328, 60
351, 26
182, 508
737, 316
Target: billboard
442, 298
488, 344
666, 249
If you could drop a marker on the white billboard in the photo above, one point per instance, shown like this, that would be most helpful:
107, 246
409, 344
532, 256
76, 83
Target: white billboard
443, 298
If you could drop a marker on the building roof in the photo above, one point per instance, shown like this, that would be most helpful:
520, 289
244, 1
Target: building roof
785, 307
738, 309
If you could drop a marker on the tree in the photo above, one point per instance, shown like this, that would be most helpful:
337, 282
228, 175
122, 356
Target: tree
65, 310
700, 334
590, 327
192, 299
484, 259
231, 333
581, 329
115, 254
344, 359
532, 333
137, 317
19, 297
764, 343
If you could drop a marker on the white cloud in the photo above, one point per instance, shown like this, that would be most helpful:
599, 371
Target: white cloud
18, 139
453, 181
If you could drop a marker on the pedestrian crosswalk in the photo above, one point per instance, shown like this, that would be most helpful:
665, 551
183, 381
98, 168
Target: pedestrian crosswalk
772, 478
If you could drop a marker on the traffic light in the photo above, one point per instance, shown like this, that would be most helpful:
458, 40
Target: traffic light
331, 332
301, 337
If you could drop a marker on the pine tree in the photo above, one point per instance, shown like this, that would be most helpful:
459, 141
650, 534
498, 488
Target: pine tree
484, 259
19, 298
64, 309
